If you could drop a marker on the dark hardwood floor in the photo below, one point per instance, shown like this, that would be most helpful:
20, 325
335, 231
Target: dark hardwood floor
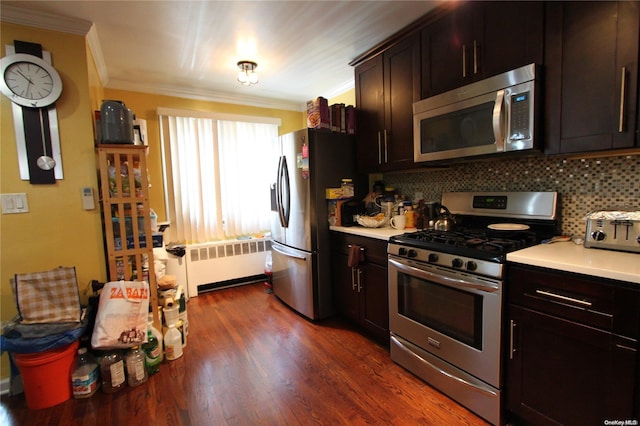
251, 360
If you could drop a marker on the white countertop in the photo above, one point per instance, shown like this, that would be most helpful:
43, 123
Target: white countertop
571, 257
383, 233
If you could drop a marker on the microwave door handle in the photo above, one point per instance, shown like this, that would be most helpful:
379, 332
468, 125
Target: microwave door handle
498, 121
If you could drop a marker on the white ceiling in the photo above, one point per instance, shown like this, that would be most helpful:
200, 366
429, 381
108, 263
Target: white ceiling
190, 48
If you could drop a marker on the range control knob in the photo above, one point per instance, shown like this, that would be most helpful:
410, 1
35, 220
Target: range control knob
638, 239
598, 235
402, 251
471, 265
413, 253
457, 263
433, 258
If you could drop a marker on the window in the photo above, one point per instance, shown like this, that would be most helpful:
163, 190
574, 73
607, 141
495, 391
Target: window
216, 174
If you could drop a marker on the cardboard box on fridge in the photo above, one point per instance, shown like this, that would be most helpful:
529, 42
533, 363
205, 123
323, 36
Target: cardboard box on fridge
318, 114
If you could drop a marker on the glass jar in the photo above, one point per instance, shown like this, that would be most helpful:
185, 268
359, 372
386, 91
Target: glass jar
112, 371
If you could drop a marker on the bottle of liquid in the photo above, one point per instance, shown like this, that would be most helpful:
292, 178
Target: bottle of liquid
409, 213
84, 379
153, 348
172, 343
112, 372
136, 371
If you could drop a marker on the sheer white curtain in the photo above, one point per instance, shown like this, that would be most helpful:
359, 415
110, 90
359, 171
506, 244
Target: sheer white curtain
245, 174
196, 185
217, 176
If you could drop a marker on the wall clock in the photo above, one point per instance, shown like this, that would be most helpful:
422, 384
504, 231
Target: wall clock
33, 86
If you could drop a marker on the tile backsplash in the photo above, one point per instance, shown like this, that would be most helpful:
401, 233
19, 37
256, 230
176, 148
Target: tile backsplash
583, 184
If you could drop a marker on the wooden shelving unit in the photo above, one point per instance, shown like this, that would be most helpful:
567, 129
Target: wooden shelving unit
124, 197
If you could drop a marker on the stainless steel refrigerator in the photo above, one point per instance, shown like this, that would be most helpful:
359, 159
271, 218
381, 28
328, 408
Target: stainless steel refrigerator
308, 161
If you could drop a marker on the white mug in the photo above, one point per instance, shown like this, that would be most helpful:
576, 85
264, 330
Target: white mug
398, 221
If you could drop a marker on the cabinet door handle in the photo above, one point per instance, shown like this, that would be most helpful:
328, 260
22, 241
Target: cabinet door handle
379, 148
512, 349
564, 298
359, 280
464, 61
627, 348
475, 57
623, 83
386, 157
353, 279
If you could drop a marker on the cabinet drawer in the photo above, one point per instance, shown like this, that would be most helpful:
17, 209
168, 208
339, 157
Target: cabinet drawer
375, 251
591, 301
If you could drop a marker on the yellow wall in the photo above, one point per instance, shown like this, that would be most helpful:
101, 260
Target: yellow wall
347, 98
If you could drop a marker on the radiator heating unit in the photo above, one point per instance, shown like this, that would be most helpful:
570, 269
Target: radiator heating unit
225, 263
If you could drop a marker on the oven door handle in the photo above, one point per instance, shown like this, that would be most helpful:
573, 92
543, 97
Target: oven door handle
469, 282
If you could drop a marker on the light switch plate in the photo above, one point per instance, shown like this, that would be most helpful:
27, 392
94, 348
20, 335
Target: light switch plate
14, 203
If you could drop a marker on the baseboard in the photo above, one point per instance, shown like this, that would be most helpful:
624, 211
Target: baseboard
203, 288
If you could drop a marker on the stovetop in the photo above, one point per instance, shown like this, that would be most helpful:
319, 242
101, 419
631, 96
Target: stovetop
475, 243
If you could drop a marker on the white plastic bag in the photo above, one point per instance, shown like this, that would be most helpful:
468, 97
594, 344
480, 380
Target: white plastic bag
121, 320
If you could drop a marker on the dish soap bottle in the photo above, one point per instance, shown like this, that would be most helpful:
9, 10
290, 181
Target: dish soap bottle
84, 379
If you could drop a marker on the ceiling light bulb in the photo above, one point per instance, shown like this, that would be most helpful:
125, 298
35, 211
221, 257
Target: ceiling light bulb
247, 75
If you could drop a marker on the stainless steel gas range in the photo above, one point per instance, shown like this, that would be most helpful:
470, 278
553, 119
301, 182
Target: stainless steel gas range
446, 292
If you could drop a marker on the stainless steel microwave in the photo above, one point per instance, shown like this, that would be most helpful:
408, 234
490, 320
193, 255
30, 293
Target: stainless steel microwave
494, 115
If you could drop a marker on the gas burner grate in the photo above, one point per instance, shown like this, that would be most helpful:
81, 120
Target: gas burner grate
479, 240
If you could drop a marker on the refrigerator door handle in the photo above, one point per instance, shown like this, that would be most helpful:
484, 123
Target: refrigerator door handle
288, 254
279, 193
286, 206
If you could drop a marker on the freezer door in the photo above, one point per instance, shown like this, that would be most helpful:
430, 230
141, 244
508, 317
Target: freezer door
293, 278
298, 230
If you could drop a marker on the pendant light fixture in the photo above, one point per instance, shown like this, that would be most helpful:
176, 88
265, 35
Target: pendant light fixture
247, 75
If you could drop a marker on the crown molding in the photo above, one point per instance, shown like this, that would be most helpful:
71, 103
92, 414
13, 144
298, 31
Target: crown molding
207, 95
96, 52
47, 21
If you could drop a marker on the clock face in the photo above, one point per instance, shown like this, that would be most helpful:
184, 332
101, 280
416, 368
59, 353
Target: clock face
29, 81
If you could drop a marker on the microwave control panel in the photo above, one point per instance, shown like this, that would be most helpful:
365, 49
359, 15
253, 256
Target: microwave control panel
520, 123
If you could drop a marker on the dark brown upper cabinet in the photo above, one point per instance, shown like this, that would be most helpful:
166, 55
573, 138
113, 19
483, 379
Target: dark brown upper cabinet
478, 40
591, 86
387, 85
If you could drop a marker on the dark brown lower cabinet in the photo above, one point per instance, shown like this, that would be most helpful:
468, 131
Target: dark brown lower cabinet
361, 293
571, 354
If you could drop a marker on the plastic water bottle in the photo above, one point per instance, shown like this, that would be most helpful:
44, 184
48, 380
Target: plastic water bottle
84, 379
136, 370
153, 348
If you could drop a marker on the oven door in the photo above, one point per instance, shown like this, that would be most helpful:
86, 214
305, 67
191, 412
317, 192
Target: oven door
450, 314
